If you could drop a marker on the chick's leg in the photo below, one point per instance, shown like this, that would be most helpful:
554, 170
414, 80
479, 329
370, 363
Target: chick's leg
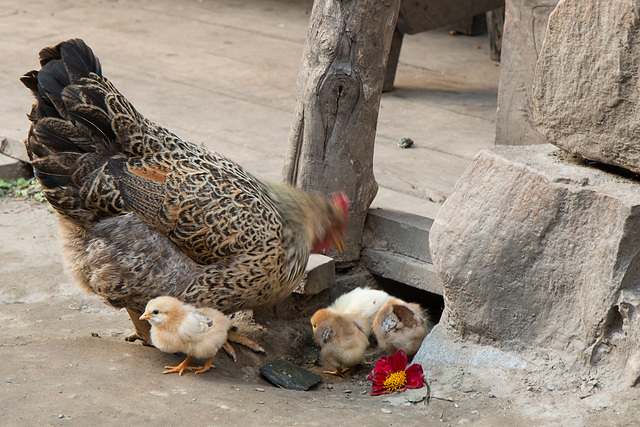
180, 368
202, 369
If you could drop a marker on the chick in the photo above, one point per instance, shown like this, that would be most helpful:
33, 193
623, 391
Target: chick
179, 327
341, 338
401, 325
363, 303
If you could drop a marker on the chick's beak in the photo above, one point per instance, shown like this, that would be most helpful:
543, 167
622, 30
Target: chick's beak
145, 316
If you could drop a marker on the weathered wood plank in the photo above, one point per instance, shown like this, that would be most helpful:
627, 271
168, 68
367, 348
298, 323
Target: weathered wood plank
423, 15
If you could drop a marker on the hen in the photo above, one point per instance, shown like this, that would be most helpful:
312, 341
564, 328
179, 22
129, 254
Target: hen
144, 214
341, 338
401, 325
178, 327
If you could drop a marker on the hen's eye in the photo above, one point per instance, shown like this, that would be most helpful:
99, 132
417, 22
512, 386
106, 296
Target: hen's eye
156, 311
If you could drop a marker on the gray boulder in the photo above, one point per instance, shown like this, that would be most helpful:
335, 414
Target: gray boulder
586, 87
536, 250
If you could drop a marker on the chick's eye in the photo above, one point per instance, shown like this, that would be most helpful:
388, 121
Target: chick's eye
156, 311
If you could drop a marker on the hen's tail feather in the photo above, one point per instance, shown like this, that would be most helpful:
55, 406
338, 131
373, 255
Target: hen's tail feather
71, 138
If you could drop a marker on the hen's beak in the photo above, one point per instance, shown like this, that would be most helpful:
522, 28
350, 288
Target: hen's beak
338, 241
145, 317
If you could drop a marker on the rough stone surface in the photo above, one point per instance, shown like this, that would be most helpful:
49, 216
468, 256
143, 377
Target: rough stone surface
536, 250
586, 84
524, 28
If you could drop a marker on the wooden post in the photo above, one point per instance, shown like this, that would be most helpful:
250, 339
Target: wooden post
495, 26
338, 98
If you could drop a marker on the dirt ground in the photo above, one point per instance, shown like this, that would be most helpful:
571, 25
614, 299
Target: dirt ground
64, 358
65, 362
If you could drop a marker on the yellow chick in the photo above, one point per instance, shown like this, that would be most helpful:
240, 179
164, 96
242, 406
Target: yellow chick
179, 327
401, 325
342, 340
363, 303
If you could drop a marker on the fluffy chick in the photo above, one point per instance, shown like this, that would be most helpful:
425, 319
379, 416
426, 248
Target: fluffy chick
363, 303
401, 325
341, 338
179, 327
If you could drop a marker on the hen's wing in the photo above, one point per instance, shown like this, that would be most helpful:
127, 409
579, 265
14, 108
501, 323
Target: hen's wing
96, 157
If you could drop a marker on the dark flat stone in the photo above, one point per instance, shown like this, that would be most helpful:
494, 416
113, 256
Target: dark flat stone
287, 375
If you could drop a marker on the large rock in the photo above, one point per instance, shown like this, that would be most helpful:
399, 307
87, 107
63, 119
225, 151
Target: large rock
524, 27
538, 251
586, 93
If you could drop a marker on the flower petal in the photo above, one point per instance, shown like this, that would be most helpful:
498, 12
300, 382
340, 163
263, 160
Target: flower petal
415, 376
399, 361
384, 363
377, 390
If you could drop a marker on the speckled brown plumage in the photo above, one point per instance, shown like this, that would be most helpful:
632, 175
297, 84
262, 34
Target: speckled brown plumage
144, 213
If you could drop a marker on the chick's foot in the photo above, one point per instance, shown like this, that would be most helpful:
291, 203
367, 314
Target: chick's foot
202, 369
338, 372
180, 368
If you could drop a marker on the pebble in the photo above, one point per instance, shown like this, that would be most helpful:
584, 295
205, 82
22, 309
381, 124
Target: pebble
347, 391
386, 411
60, 416
491, 395
259, 389
405, 142
551, 388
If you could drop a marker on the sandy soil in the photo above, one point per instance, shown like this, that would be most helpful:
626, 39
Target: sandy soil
65, 362
64, 358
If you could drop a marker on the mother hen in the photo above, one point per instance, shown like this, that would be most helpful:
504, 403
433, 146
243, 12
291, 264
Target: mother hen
144, 214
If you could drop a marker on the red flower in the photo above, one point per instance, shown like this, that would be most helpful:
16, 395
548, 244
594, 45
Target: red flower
391, 374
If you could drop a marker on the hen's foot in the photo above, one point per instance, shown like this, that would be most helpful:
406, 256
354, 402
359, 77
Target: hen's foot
230, 351
142, 327
202, 369
135, 337
242, 340
338, 372
180, 368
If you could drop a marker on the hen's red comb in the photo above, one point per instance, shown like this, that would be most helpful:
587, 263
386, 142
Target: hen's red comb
342, 201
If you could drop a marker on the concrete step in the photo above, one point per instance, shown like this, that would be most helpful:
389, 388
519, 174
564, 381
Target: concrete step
396, 247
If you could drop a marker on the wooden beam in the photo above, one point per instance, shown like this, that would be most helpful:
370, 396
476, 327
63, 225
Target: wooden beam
338, 98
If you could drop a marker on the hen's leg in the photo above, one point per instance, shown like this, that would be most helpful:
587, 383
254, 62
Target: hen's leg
180, 368
142, 327
242, 340
202, 369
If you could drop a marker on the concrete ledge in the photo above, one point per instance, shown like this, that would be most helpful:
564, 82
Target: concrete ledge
396, 247
14, 162
319, 275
